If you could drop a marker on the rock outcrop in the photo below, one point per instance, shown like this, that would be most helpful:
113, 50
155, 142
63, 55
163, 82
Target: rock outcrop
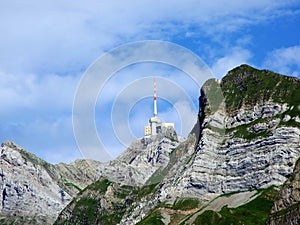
243, 144
140, 160
33, 191
286, 210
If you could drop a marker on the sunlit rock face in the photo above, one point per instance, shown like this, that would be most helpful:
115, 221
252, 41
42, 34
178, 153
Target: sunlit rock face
249, 140
34, 191
141, 159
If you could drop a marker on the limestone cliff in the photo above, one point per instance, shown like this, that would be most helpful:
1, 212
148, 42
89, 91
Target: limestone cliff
249, 141
140, 160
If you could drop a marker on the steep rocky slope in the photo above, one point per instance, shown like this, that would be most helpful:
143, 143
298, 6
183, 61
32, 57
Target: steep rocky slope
246, 138
286, 210
141, 159
251, 141
33, 191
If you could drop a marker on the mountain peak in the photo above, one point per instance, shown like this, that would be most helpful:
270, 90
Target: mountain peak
245, 85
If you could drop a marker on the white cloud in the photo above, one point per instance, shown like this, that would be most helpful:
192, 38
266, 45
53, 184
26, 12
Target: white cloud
38, 93
284, 60
36, 111
69, 35
236, 57
45, 45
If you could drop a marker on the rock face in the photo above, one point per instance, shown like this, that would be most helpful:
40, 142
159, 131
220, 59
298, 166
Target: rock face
246, 144
286, 210
124, 183
139, 162
33, 191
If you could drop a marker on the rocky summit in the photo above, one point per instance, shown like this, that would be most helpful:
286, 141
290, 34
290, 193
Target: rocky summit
237, 166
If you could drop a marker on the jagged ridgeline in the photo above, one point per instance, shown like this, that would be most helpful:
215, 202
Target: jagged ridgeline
237, 166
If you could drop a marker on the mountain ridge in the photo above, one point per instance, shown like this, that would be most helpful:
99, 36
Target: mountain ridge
245, 143
249, 145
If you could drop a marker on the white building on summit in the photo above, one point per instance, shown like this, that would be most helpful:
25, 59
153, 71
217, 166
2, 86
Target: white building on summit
156, 124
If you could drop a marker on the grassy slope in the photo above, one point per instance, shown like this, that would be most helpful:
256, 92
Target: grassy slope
94, 205
245, 85
255, 212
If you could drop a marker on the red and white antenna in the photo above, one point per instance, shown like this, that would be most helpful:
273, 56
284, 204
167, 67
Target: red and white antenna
155, 106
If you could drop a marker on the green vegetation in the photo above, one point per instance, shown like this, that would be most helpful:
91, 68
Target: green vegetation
292, 113
182, 204
123, 191
246, 130
145, 190
186, 203
255, 212
27, 156
245, 85
88, 211
70, 184
92, 207
85, 210
214, 95
153, 218
100, 185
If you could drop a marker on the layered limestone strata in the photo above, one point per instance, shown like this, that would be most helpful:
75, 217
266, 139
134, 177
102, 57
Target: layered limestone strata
223, 163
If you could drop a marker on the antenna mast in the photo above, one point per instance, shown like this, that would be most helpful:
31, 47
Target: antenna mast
155, 106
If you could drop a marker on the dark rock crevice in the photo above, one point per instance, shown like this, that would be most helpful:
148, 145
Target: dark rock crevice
4, 195
197, 130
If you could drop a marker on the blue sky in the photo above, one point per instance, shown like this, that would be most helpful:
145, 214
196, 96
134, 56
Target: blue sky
46, 47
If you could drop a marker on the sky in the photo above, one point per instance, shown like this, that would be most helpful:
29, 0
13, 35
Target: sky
47, 47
